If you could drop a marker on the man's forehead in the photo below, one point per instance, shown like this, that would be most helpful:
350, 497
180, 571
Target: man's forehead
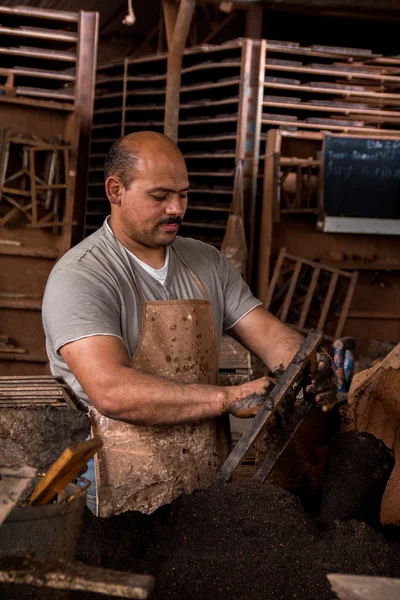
157, 168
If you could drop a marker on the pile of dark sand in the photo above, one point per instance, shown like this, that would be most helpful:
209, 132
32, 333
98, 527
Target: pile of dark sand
239, 541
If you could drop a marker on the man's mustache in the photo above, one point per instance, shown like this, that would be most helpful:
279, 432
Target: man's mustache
171, 221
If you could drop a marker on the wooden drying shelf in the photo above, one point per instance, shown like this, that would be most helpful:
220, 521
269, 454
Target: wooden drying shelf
106, 111
120, 64
214, 138
21, 303
41, 13
209, 121
40, 74
45, 93
186, 88
28, 252
332, 109
333, 72
203, 225
360, 265
204, 121
328, 90
210, 191
191, 105
202, 49
107, 96
373, 314
328, 127
205, 155
186, 70
208, 208
383, 60
211, 173
116, 124
301, 51
41, 34
32, 53
36, 358
49, 104
103, 140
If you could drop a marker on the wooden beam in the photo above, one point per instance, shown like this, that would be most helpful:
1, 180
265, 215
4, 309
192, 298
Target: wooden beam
170, 8
63, 575
254, 22
176, 47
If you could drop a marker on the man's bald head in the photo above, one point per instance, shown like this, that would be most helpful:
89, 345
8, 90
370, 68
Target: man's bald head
124, 155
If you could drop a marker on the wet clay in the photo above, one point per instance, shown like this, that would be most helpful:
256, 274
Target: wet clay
357, 470
238, 542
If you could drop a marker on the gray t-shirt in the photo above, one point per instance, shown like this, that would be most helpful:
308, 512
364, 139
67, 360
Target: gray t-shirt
92, 291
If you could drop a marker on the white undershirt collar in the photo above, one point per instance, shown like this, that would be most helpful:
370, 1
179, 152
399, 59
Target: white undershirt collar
159, 275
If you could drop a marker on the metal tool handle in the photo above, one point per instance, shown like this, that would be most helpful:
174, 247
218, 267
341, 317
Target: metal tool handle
278, 394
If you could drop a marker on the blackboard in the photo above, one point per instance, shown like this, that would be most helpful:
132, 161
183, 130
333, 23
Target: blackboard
362, 177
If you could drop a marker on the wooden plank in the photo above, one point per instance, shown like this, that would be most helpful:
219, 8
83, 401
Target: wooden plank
38, 33
346, 306
314, 265
60, 574
309, 296
64, 470
19, 304
278, 394
41, 13
358, 587
330, 127
331, 90
265, 241
335, 73
275, 276
328, 300
332, 109
35, 358
13, 483
289, 295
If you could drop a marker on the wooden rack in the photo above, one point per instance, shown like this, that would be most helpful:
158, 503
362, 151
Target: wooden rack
231, 96
47, 74
217, 112
48, 59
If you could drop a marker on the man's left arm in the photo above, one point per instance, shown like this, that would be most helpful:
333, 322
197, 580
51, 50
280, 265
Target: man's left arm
266, 337
276, 344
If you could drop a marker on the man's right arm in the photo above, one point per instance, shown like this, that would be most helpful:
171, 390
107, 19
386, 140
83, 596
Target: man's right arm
101, 365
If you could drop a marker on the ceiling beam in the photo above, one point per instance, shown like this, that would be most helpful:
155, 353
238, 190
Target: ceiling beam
386, 5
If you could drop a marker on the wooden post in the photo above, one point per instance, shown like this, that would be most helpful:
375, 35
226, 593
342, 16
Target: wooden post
269, 194
176, 39
170, 8
254, 21
84, 100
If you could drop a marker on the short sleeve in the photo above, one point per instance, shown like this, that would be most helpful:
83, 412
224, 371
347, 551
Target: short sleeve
238, 298
77, 305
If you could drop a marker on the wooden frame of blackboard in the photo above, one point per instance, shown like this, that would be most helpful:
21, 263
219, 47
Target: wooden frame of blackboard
380, 135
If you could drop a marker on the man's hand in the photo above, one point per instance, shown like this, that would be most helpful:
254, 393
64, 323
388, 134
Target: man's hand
247, 399
323, 384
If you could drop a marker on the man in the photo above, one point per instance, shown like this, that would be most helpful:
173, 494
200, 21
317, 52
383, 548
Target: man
133, 317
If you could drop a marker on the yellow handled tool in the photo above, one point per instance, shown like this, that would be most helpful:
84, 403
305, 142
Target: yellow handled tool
64, 470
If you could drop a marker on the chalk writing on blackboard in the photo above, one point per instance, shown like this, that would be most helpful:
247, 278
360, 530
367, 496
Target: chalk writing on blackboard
362, 177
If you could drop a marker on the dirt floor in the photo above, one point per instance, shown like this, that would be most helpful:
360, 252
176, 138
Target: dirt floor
240, 541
